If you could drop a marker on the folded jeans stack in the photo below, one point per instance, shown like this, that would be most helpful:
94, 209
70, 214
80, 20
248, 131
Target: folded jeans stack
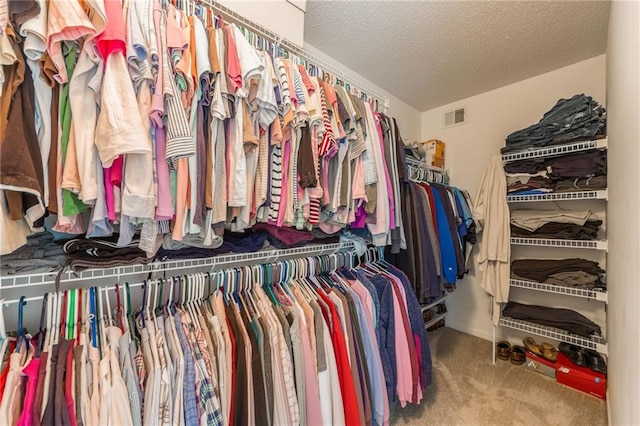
577, 119
565, 319
574, 272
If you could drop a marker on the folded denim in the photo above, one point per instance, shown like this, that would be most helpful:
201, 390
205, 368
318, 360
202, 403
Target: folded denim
565, 319
575, 119
40, 254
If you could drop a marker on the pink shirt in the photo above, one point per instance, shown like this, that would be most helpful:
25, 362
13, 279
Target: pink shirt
164, 209
112, 39
286, 155
404, 386
31, 371
233, 63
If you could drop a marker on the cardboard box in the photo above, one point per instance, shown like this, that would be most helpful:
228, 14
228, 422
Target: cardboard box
580, 378
541, 365
435, 153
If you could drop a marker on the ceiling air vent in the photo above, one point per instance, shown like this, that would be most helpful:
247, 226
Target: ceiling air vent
455, 117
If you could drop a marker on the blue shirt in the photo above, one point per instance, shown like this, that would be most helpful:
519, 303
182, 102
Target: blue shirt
447, 251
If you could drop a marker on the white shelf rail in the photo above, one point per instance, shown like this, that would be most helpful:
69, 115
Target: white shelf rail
597, 343
418, 163
435, 302
601, 296
602, 194
552, 151
434, 320
210, 264
544, 242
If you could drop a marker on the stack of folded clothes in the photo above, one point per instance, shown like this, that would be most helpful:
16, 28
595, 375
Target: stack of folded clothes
94, 253
578, 273
557, 224
41, 254
575, 172
564, 319
580, 118
261, 236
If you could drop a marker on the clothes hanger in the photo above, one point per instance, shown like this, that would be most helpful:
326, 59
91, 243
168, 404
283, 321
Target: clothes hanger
42, 331
92, 307
103, 342
71, 315
21, 337
79, 324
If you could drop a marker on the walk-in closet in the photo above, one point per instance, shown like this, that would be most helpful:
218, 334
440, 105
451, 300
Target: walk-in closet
304, 212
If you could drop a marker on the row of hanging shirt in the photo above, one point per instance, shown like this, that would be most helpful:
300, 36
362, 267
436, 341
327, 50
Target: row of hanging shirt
136, 116
442, 234
334, 348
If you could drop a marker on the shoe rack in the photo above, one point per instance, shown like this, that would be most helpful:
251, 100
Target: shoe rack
589, 302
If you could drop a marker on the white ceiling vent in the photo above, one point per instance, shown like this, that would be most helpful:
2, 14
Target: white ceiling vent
455, 117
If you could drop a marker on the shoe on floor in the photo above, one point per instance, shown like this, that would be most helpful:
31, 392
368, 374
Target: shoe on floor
595, 361
532, 346
503, 349
549, 352
575, 354
517, 355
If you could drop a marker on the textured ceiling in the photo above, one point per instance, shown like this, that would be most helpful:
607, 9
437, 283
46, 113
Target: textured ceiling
430, 53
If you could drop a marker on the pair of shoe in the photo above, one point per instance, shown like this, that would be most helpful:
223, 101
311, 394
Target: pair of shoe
545, 350
514, 354
584, 357
436, 326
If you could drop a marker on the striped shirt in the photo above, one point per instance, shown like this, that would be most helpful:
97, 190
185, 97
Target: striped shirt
328, 145
276, 182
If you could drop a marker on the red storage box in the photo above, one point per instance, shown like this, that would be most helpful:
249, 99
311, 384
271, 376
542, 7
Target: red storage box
580, 378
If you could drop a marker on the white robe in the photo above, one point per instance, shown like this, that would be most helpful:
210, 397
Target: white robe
491, 213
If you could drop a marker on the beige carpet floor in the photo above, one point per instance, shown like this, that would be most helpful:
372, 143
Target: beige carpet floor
468, 389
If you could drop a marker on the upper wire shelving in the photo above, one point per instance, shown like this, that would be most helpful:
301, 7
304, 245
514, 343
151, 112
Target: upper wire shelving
555, 150
601, 296
210, 263
550, 242
601, 194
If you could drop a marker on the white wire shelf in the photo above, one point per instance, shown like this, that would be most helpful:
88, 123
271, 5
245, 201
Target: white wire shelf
435, 302
418, 163
544, 242
601, 296
552, 151
597, 343
211, 263
434, 320
560, 196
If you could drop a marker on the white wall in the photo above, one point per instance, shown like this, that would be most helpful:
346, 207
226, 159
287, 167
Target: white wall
407, 116
623, 101
283, 17
491, 116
